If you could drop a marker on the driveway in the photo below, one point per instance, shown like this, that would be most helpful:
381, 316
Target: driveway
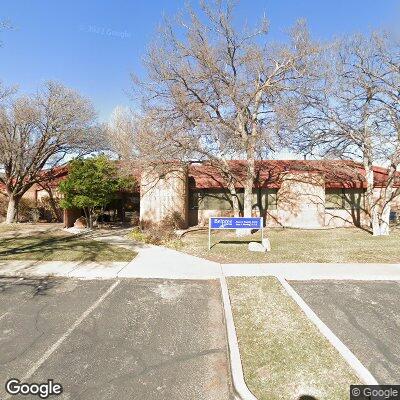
121, 339
365, 316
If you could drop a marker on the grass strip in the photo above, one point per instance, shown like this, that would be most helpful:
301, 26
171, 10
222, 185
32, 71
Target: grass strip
284, 355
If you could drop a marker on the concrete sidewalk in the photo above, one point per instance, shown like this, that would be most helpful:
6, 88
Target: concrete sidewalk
160, 262
151, 262
68, 269
117, 237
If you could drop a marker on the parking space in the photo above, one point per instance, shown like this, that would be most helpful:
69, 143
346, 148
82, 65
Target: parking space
365, 316
128, 339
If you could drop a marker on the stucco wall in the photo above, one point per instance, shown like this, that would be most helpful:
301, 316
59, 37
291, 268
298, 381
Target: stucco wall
30, 194
301, 201
345, 218
301, 204
396, 204
162, 195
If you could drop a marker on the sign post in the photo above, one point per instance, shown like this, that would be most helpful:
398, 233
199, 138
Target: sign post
222, 223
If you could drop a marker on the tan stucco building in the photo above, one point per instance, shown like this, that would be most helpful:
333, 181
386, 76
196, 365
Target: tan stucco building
287, 193
292, 193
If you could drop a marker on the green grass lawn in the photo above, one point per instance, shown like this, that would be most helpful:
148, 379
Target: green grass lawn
342, 245
57, 246
284, 355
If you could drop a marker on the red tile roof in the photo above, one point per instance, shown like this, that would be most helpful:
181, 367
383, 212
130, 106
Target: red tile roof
337, 173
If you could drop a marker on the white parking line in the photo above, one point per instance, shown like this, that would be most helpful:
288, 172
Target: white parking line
59, 342
346, 353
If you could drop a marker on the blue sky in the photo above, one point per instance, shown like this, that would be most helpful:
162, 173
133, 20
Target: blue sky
93, 46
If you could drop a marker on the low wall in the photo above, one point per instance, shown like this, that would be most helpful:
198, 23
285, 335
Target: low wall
70, 216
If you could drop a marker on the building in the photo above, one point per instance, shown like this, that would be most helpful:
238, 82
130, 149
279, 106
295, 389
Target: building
287, 193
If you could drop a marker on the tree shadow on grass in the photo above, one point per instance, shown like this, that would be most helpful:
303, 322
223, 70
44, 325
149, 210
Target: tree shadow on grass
43, 247
230, 242
235, 242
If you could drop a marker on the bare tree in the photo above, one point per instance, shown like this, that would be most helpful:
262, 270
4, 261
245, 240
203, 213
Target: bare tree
122, 133
218, 93
39, 131
356, 114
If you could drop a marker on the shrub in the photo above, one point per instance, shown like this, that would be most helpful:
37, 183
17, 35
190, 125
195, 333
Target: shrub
27, 211
175, 243
137, 235
135, 218
49, 212
156, 234
173, 221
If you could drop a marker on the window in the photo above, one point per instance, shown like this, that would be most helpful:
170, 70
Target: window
333, 199
211, 199
220, 199
265, 199
344, 199
215, 200
354, 199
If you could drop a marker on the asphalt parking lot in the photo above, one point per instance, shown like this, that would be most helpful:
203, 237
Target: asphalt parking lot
128, 339
365, 316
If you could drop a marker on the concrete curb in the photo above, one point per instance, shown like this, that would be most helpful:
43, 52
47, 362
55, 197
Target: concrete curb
241, 391
344, 351
311, 271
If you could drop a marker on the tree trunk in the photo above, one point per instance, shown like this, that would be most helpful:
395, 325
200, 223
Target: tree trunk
53, 205
250, 175
248, 197
90, 218
230, 182
235, 200
12, 208
384, 220
371, 204
248, 186
86, 211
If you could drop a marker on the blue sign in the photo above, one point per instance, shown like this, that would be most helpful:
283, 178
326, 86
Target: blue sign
236, 223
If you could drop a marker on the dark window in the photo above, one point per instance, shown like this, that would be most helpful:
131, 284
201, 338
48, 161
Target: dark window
219, 199
344, 199
212, 199
215, 200
354, 199
265, 199
334, 199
